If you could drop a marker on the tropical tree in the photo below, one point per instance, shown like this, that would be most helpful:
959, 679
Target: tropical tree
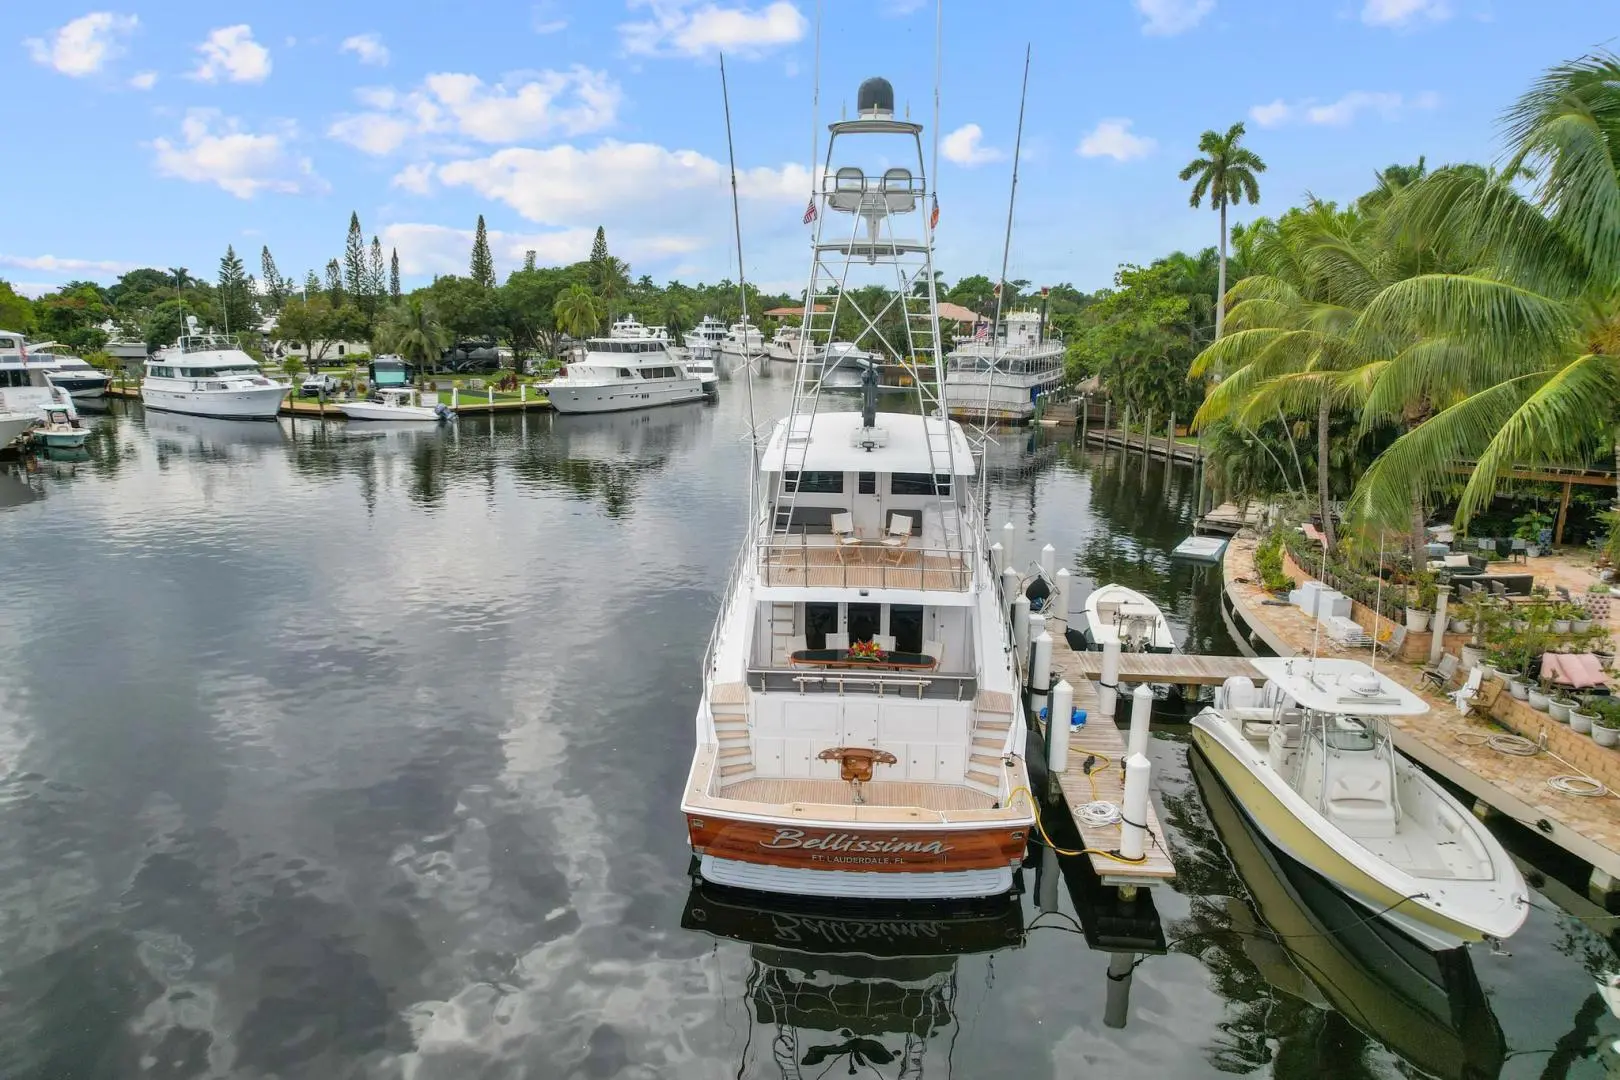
482, 265
612, 281
1226, 174
1520, 353
412, 330
576, 312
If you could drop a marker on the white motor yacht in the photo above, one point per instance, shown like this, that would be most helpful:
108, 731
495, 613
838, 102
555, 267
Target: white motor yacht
785, 344
1311, 762
859, 733
699, 363
398, 404
742, 344
207, 375
26, 390
1001, 376
632, 368
80, 378
1117, 613
844, 365
708, 333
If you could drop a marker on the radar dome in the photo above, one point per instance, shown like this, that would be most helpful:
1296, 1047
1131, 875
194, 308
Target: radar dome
875, 99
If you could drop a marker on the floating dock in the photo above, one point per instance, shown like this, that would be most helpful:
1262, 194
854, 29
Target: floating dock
317, 410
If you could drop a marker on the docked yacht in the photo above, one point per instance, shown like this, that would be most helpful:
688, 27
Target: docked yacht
786, 344
859, 734
396, 404
60, 430
707, 334
742, 344
844, 366
1312, 764
81, 379
26, 390
207, 375
632, 368
1117, 613
1004, 376
699, 363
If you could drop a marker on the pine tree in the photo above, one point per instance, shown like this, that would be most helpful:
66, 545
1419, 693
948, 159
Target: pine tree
599, 251
529, 259
275, 286
354, 259
235, 298
334, 283
393, 275
483, 263
312, 284
376, 278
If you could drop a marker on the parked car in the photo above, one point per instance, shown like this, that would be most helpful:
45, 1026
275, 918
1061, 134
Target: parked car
318, 385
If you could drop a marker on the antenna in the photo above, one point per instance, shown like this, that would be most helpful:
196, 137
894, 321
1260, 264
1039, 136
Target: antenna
1378, 600
742, 275
1006, 250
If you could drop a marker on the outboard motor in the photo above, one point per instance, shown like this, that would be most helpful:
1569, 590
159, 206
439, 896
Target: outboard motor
444, 412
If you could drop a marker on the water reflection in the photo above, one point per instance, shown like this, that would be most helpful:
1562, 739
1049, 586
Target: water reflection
861, 990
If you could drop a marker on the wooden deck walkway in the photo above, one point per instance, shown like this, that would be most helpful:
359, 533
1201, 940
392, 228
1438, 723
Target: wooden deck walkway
1106, 782
1172, 668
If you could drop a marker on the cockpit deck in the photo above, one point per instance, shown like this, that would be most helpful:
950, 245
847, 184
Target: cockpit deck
825, 562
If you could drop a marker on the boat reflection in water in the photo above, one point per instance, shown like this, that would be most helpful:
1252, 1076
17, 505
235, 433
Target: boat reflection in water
843, 988
210, 436
1428, 1007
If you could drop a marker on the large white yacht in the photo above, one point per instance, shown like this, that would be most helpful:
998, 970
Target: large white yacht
632, 368
1311, 762
785, 344
26, 391
1002, 377
742, 344
207, 375
859, 732
708, 333
83, 380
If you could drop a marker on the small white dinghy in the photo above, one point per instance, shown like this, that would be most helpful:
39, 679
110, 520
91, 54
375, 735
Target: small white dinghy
1116, 613
59, 430
397, 403
1312, 764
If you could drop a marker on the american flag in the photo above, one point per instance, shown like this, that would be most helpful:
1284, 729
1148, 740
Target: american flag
982, 332
933, 216
810, 211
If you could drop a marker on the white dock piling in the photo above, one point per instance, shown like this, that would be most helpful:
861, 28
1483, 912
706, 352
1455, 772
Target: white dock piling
1020, 621
1046, 891
1141, 717
1108, 685
1009, 544
1117, 1003
1009, 590
1133, 823
1048, 560
998, 558
1057, 736
1040, 663
1060, 602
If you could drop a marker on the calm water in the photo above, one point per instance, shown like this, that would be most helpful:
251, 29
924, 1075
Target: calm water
330, 756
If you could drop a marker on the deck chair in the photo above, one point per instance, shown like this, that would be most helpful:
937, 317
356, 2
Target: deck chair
837, 641
1390, 639
884, 642
1442, 673
843, 530
1498, 589
1465, 694
935, 649
897, 538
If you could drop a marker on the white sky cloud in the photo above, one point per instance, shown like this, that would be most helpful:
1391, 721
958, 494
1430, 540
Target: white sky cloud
1167, 17
684, 28
568, 102
368, 48
1404, 12
417, 178
214, 149
1386, 104
964, 146
143, 80
230, 53
83, 46
440, 249
546, 18
1113, 139
55, 264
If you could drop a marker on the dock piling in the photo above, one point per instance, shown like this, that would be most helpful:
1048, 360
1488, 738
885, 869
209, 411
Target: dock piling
1009, 545
1141, 717
1048, 559
1046, 881
1133, 815
1040, 663
1108, 682
1057, 737
1060, 601
998, 558
1020, 621
1009, 592
1117, 1003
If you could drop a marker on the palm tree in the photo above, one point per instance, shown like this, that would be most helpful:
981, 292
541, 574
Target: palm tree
612, 281
181, 276
415, 334
1226, 174
1520, 352
576, 312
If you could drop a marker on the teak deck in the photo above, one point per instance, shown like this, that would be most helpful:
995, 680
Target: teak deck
1173, 668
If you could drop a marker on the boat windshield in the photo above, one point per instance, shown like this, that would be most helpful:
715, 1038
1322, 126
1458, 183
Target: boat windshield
1349, 733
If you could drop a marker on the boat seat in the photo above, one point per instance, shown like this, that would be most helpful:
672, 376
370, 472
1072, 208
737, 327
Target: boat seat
1237, 692
1359, 799
849, 188
897, 193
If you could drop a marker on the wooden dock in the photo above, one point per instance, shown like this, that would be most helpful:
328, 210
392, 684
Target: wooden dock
1154, 445
1176, 669
317, 410
1106, 782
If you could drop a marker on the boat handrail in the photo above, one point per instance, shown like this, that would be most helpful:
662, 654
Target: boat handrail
740, 560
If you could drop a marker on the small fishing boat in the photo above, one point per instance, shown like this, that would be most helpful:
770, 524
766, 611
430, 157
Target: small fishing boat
396, 403
59, 430
1117, 613
1312, 764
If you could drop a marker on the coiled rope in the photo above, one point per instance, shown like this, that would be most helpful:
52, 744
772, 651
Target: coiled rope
1578, 784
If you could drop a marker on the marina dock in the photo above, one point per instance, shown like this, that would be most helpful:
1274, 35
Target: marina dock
304, 408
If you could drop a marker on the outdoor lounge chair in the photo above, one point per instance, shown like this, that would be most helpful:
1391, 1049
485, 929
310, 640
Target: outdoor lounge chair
1442, 673
843, 530
897, 538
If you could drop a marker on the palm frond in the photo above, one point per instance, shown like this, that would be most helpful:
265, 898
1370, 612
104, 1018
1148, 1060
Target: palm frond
1502, 321
1583, 189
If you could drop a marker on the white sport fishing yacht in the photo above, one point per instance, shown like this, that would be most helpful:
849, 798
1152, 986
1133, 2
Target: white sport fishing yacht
859, 733
707, 334
1311, 762
83, 380
632, 368
207, 375
26, 390
1008, 372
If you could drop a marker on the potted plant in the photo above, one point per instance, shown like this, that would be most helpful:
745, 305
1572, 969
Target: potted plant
1540, 699
1420, 597
1563, 618
1471, 655
1580, 717
1529, 527
1460, 624
1559, 708
1606, 720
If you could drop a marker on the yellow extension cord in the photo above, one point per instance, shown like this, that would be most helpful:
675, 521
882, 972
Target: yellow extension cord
1041, 826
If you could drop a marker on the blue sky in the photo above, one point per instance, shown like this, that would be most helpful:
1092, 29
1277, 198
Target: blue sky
157, 134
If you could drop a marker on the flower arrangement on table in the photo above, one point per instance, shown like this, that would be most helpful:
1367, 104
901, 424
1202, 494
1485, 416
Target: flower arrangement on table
865, 650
